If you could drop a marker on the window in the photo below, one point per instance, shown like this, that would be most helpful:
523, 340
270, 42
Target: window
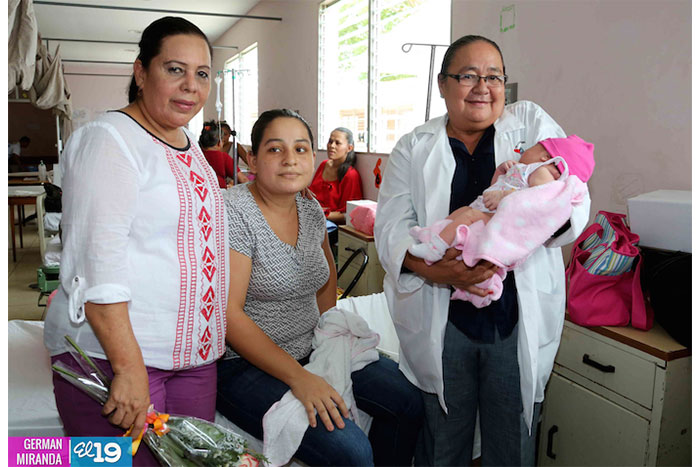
195, 125
241, 92
367, 83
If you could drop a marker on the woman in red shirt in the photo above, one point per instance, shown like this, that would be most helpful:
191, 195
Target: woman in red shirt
336, 181
211, 144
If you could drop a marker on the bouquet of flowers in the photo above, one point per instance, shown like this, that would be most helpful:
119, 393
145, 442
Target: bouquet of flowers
174, 440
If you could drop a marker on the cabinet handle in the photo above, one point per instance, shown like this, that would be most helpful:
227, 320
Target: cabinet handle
598, 366
550, 441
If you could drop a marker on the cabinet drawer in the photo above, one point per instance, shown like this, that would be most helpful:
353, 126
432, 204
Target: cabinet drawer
581, 428
617, 370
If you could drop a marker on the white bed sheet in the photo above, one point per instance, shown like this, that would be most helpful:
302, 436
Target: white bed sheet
31, 404
375, 310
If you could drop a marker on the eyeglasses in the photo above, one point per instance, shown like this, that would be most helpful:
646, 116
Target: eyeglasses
470, 79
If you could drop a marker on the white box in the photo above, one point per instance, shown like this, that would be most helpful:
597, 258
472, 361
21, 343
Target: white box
353, 204
662, 219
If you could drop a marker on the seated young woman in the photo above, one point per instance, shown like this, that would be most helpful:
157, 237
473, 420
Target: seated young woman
336, 181
283, 277
211, 142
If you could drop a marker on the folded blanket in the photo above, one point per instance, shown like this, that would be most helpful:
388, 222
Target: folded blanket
343, 343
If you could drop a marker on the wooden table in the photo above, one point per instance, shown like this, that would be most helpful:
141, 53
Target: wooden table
23, 174
20, 196
26, 178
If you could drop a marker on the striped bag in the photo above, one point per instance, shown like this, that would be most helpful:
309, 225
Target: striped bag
603, 277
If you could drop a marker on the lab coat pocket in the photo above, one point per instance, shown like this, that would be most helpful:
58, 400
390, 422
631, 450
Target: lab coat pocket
551, 316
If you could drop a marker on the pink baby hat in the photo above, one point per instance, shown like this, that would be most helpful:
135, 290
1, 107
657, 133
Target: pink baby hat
577, 153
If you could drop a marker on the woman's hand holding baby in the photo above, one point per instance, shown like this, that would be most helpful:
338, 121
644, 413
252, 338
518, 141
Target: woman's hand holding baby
452, 271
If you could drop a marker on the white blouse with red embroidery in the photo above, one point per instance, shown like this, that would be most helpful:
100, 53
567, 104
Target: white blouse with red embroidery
144, 223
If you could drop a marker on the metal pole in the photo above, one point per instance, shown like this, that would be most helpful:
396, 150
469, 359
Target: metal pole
430, 82
406, 48
235, 158
154, 10
47, 39
96, 61
95, 74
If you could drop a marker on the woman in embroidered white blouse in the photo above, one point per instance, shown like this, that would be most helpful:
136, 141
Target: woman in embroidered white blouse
144, 266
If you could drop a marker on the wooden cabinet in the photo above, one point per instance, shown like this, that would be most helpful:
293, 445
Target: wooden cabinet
372, 278
617, 396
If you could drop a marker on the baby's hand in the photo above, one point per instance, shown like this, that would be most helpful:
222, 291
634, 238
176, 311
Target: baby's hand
493, 197
504, 167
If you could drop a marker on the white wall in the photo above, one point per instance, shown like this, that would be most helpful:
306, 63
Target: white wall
92, 95
615, 72
287, 56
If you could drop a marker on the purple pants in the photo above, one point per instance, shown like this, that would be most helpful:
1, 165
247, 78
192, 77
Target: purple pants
185, 392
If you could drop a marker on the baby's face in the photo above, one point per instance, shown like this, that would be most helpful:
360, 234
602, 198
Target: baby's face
538, 153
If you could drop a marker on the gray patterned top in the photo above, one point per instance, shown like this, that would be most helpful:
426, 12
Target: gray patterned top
281, 296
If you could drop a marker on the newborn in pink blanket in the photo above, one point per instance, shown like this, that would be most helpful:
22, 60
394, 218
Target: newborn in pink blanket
534, 198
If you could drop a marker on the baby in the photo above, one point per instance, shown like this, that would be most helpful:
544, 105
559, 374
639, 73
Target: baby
547, 161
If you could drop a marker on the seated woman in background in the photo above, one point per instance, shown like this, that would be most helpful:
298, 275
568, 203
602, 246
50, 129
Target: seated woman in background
284, 280
226, 133
222, 164
241, 150
336, 181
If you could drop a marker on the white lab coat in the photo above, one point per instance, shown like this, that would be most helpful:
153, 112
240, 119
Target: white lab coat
416, 191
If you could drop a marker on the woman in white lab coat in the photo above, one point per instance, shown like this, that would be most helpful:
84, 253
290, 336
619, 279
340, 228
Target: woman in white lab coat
495, 360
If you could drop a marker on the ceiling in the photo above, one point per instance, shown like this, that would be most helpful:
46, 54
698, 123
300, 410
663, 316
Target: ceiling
61, 20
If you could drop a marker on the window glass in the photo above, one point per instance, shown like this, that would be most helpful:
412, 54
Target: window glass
241, 93
343, 69
245, 95
229, 66
367, 82
402, 78
195, 125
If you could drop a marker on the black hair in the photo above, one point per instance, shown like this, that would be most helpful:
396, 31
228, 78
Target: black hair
223, 124
25, 139
152, 40
210, 135
350, 159
266, 118
458, 44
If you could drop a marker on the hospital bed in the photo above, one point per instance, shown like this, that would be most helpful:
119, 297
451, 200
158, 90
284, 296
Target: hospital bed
31, 405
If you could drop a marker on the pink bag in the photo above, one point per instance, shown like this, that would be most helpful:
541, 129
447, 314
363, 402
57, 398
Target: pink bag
362, 218
608, 297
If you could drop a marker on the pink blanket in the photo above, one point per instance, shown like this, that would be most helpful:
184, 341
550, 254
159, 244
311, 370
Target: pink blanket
523, 221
